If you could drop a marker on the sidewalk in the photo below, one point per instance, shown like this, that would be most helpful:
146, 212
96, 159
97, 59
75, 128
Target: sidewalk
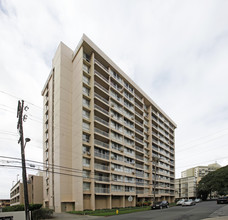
220, 214
61, 216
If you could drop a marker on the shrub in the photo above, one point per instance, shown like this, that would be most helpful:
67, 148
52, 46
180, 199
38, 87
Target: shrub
14, 208
42, 213
138, 204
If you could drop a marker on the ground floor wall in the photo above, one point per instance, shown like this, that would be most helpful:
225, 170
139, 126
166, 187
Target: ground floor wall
109, 202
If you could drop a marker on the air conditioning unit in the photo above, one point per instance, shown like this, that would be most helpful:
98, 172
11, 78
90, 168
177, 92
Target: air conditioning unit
88, 153
133, 172
112, 115
121, 150
112, 105
112, 157
133, 162
132, 117
113, 168
133, 135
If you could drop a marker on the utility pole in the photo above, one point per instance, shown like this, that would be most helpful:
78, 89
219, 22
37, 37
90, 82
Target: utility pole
156, 160
22, 118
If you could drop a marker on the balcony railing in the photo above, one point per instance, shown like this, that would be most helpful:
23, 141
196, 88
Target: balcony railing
102, 98
101, 190
102, 178
101, 65
139, 140
139, 166
101, 155
101, 166
101, 87
100, 75
99, 131
140, 132
101, 109
101, 143
139, 148
139, 157
96, 118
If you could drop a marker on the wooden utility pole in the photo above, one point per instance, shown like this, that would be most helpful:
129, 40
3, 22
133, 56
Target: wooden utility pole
20, 117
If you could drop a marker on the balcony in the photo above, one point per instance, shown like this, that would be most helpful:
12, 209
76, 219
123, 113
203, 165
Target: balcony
101, 98
101, 87
139, 140
139, 157
101, 143
139, 148
101, 155
101, 190
101, 166
101, 109
100, 75
140, 132
139, 166
101, 65
96, 118
99, 131
102, 178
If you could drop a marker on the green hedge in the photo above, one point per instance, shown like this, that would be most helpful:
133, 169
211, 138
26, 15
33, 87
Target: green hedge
16, 208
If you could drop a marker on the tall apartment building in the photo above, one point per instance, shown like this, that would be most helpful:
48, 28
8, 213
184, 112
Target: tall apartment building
100, 134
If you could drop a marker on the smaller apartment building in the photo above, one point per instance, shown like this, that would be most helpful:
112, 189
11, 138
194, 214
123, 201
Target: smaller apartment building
185, 187
35, 191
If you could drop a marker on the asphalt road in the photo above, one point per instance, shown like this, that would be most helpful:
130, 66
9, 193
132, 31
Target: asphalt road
199, 211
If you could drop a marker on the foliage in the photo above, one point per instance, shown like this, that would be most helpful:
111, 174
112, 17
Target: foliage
16, 208
42, 214
109, 212
216, 181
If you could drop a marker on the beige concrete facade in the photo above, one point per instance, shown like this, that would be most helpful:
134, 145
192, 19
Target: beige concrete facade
185, 187
100, 134
35, 191
200, 171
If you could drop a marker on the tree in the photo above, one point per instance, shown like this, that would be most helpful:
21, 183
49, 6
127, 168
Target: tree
216, 181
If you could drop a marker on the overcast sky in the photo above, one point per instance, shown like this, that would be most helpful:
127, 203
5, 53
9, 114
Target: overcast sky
176, 51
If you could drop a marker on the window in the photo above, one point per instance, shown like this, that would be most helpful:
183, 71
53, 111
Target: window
129, 179
86, 186
85, 90
85, 149
85, 137
86, 162
117, 167
86, 174
128, 170
116, 136
85, 102
85, 126
85, 114
86, 68
116, 126
117, 178
116, 157
86, 80
129, 189
128, 160
116, 146
117, 188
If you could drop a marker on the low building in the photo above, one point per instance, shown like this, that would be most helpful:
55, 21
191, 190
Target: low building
4, 202
35, 191
185, 187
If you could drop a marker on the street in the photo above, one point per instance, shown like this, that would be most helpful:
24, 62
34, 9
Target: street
199, 211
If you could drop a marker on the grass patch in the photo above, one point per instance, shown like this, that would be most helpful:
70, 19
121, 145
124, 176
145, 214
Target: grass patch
109, 212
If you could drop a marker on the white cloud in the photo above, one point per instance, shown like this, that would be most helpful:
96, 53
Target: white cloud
175, 50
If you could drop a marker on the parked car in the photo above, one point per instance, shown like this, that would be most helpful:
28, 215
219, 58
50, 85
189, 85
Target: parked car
222, 200
180, 202
188, 202
197, 200
160, 205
